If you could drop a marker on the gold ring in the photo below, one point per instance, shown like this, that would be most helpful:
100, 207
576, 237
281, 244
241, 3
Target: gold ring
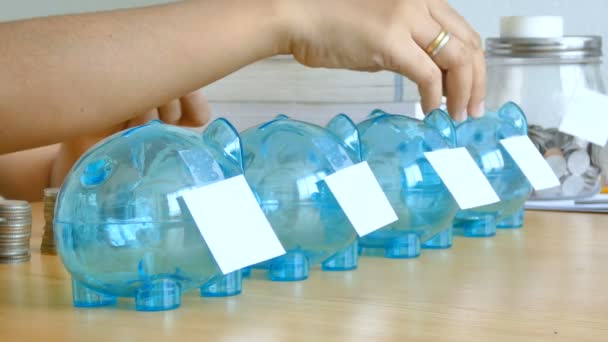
438, 43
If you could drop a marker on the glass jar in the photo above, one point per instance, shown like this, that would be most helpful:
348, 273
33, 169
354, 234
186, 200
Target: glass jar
599, 156
541, 75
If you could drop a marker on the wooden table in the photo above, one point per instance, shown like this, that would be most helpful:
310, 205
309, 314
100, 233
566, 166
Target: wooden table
546, 282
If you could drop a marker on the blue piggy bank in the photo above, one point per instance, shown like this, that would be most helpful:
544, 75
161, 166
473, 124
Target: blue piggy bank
285, 163
120, 227
394, 147
482, 138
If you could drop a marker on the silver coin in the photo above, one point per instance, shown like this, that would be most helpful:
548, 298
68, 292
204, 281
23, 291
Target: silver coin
5, 246
578, 162
11, 226
51, 192
14, 253
592, 172
16, 260
15, 238
14, 233
14, 204
16, 210
15, 224
558, 165
16, 217
12, 236
573, 185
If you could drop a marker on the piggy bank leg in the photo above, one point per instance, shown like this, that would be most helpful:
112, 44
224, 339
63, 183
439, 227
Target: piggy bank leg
344, 260
246, 272
481, 227
441, 240
292, 266
405, 246
86, 298
514, 221
223, 285
158, 295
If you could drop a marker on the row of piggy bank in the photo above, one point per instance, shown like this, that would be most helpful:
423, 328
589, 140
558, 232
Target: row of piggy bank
122, 230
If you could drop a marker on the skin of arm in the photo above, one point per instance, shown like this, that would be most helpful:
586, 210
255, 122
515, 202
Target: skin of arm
63, 77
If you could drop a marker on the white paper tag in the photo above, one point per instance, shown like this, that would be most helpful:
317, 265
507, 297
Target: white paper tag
233, 224
361, 197
531, 162
586, 116
463, 178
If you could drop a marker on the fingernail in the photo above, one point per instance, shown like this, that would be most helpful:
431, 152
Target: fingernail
479, 110
461, 116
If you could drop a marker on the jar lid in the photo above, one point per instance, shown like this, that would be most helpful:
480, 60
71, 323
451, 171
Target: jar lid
568, 47
531, 27
540, 37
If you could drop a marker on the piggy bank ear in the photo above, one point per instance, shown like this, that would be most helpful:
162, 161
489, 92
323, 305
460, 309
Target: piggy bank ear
442, 122
376, 113
346, 130
514, 115
221, 136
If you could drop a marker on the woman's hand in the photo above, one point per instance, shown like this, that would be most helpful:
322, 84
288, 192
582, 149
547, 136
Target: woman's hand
372, 35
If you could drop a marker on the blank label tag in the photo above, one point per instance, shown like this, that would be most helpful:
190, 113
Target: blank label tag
463, 178
586, 116
531, 162
233, 224
361, 197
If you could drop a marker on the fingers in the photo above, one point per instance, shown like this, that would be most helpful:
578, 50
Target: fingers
195, 110
171, 113
455, 59
459, 81
454, 23
143, 119
191, 110
477, 106
410, 60
451, 20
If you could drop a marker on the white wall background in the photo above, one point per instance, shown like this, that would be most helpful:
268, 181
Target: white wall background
293, 85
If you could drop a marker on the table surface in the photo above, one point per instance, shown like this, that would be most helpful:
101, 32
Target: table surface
545, 282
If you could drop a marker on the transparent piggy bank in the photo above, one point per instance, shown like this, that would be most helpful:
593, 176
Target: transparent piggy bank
285, 163
394, 147
120, 226
482, 138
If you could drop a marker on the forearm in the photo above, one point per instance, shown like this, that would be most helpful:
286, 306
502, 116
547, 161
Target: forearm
65, 76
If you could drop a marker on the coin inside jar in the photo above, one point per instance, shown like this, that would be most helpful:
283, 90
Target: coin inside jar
578, 162
556, 161
573, 185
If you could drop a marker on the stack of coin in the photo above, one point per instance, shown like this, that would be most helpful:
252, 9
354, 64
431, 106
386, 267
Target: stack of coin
48, 238
15, 231
571, 161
